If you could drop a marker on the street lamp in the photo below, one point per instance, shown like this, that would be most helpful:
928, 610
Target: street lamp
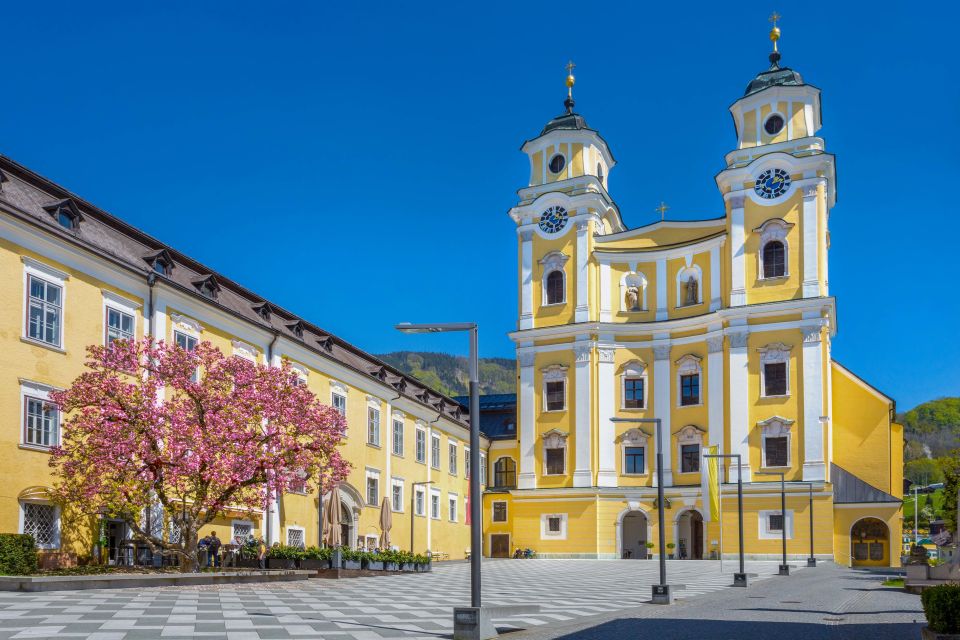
661, 592
739, 579
476, 524
413, 507
812, 560
784, 567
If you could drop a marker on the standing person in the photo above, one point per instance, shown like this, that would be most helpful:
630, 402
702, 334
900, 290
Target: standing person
204, 547
215, 549
262, 554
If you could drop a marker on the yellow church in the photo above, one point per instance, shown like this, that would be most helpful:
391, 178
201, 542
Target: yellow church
721, 328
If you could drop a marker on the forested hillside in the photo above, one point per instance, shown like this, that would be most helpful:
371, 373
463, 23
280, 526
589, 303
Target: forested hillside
932, 432
449, 374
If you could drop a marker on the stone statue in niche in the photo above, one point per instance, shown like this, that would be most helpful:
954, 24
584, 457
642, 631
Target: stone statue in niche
633, 298
692, 286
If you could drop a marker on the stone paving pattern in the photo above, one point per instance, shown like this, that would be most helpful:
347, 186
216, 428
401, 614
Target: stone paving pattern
577, 596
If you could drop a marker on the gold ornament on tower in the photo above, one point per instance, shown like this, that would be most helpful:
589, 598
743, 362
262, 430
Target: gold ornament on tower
775, 31
568, 103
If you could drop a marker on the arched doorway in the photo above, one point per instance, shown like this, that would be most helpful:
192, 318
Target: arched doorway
633, 535
351, 502
347, 534
689, 535
870, 543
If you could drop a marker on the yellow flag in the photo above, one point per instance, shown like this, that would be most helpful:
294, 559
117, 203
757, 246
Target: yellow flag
710, 485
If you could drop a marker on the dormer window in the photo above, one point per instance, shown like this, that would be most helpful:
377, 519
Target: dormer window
160, 262
65, 212
207, 287
296, 328
264, 310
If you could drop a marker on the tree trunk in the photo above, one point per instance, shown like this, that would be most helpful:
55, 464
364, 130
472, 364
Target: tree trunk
189, 561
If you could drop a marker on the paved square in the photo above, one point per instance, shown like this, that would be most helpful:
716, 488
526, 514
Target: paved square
394, 606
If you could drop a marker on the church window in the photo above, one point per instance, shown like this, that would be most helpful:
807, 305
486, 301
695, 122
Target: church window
774, 370
689, 458
775, 522
775, 441
555, 393
555, 462
774, 260
688, 372
633, 393
600, 172
553, 524
556, 289
772, 257
505, 473
554, 452
633, 460
499, 511
557, 163
773, 124
776, 451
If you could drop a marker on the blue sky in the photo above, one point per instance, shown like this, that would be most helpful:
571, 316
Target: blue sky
356, 163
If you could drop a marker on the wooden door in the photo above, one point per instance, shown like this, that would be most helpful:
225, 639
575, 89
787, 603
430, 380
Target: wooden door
500, 545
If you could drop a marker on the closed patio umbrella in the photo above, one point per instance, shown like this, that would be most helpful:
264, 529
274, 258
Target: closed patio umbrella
386, 522
331, 519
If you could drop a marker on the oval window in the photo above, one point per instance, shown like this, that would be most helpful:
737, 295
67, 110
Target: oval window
557, 163
774, 124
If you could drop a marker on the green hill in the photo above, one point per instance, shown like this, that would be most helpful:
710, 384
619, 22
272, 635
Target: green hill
931, 429
449, 374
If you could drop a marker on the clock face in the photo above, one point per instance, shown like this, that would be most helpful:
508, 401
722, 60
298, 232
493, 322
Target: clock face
772, 183
553, 219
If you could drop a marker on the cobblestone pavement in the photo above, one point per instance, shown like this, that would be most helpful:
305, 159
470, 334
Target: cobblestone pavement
827, 602
577, 596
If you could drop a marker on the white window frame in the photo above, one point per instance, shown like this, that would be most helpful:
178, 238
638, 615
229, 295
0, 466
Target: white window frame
683, 276
435, 515
483, 468
435, 450
763, 524
776, 353
453, 451
373, 409
493, 511
56, 518
775, 427
420, 492
689, 364
554, 373
339, 389
371, 474
553, 261
774, 229
51, 276
119, 304
292, 527
188, 334
634, 438
396, 443
421, 435
397, 483
555, 439
633, 370
688, 436
454, 503
233, 528
546, 534
30, 390
466, 462
638, 280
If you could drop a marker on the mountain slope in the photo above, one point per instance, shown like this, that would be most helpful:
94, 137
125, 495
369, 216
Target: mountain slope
932, 428
449, 374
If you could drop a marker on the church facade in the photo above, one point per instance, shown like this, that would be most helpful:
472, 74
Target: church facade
720, 328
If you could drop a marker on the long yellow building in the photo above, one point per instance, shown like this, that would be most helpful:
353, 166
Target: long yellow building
721, 328
74, 275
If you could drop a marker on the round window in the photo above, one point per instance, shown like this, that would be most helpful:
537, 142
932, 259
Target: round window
557, 163
774, 124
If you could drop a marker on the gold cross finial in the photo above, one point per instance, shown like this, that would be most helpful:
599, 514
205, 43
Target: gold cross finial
663, 210
775, 31
570, 67
774, 17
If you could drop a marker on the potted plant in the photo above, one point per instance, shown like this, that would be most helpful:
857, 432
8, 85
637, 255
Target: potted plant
649, 546
391, 560
407, 561
422, 563
941, 605
283, 557
372, 561
352, 558
670, 547
316, 558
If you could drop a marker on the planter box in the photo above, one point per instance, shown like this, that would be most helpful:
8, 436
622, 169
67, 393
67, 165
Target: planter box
373, 565
281, 563
928, 634
351, 564
312, 564
250, 563
408, 567
391, 566
423, 567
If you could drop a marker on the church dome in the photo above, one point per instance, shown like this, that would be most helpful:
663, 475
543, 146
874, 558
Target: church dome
569, 120
775, 76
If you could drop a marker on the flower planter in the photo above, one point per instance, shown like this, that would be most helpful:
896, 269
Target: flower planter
423, 567
373, 565
248, 563
929, 634
670, 556
281, 563
311, 564
408, 567
391, 566
350, 564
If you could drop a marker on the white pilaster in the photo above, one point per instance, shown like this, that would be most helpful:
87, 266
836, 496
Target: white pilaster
715, 278
738, 274
427, 499
582, 475
386, 485
814, 468
715, 394
606, 395
662, 289
527, 478
662, 406
582, 311
739, 402
526, 279
605, 285
811, 236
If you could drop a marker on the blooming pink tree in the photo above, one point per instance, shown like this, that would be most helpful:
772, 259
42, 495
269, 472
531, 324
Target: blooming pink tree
152, 426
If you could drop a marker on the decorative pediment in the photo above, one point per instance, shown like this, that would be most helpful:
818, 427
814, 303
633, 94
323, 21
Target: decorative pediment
775, 352
775, 426
244, 350
634, 437
554, 260
186, 324
301, 370
66, 207
690, 434
554, 438
689, 364
773, 229
339, 387
632, 368
554, 372
207, 285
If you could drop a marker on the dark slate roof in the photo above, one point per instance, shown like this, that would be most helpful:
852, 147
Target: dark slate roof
498, 415
849, 488
566, 121
775, 76
28, 196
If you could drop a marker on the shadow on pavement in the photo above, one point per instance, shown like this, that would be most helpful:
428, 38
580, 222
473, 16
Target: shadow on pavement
684, 629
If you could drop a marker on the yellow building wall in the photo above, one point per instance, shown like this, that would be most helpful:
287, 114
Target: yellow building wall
770, 290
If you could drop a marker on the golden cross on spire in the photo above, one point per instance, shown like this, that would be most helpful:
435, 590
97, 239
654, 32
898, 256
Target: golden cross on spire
775, 31
570, 67
774, 17
570, 79
663, 210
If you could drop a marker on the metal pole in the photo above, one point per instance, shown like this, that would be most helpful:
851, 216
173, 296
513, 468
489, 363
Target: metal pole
916, 510
413, 515
812, 560
784, 569
660, 514
740, 513
476, 524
